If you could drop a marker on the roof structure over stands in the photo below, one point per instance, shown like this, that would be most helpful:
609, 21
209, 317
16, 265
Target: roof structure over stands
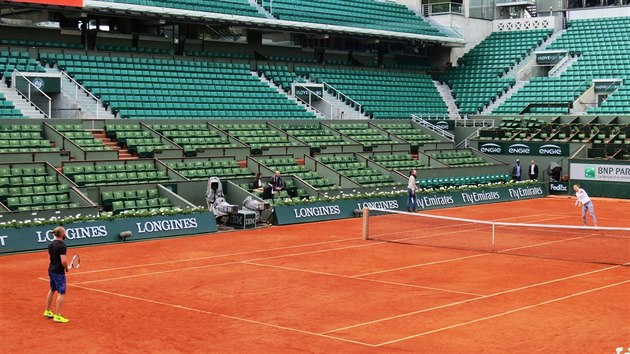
255, 22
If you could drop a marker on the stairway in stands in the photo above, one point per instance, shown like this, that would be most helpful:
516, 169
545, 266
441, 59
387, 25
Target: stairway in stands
123, 154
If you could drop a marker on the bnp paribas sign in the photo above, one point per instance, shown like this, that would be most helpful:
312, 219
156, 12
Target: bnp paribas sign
600, 172
524, 148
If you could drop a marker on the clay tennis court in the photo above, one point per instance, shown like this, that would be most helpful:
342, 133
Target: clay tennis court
320, 288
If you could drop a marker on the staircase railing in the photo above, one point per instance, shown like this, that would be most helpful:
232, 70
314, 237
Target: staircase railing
28, 95
342, 95
433, 128
310, 102
466, 142
78, 88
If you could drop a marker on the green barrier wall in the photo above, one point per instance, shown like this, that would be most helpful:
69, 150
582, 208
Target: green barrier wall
320, 211
102, 231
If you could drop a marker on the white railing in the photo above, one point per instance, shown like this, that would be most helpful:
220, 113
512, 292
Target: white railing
340, 94
29, 92
464, 144
475, 122
310, 101
433, 128
78, 88
559, 65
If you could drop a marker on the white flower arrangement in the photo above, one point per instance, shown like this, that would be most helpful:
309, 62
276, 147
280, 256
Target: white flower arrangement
106, 215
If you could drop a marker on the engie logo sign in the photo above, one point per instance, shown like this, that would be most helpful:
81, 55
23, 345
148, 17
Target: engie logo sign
519, 149
490, 148
534, 149
550, 149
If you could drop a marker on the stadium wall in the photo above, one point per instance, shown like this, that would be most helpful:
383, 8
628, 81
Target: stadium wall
617, 11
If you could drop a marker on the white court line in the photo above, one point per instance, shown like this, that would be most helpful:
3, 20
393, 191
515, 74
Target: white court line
223, 315
422, 264
542, 244
502, 313
219, 256
437, 246
360, 279
477, 298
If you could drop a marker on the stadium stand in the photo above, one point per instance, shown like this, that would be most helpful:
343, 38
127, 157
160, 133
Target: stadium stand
83, 138
24, 138
192, 137
378, 15
315, 135
478, 78
383, 94
358, 171
31, 189
398, 162
257, 136
141, 199
600, 56
462, 180
459, 158
230, 7
289, 166
7, 109
112, 172
173, 88
135, 139
16, 60
196, 170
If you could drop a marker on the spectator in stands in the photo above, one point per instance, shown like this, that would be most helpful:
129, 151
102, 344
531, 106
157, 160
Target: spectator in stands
586, 203
275, 185
533, 171
412, 188
517, 171
257, 185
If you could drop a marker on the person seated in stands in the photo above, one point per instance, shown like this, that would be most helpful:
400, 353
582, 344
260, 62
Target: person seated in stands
275, 185
222, 210
257, 185
214, 191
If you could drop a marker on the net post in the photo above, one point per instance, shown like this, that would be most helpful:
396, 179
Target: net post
493, 226
366, 214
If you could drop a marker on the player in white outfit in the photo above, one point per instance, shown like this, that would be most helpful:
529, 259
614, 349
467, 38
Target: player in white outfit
586, 203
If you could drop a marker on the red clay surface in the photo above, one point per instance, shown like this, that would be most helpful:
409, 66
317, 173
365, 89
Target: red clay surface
321, 288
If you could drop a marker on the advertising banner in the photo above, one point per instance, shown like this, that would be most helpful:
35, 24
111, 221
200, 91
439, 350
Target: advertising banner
308, 92
606, 85
444, 124
523, 148
600, 172
561, 188
319, 211
104, 231
550, 57
48, 84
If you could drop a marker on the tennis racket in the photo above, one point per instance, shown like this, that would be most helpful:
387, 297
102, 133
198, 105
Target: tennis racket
75, 262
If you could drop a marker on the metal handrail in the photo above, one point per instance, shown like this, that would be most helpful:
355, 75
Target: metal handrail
17, 72
76, 92
433, 128
309, 103
339, 93
465, 143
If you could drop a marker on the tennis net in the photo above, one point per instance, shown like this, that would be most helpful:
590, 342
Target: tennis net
606, 245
